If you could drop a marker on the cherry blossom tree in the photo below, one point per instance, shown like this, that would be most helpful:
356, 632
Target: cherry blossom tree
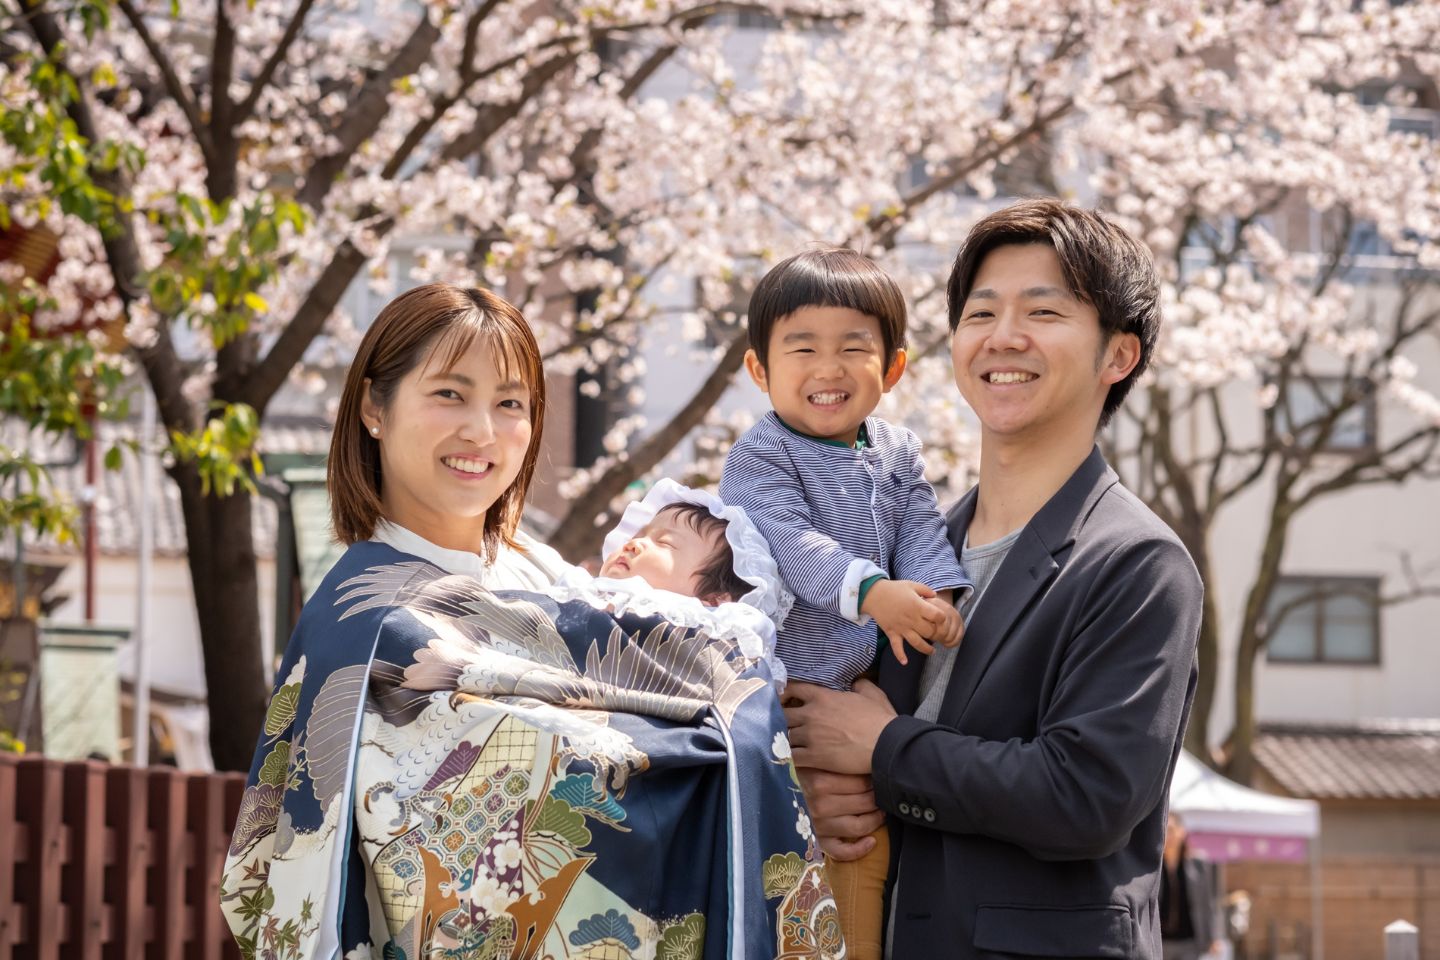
223, 173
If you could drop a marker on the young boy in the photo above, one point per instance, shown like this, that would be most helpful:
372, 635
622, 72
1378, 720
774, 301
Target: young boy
841, 497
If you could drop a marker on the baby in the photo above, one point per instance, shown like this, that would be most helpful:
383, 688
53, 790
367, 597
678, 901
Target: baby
686, 556
682, 549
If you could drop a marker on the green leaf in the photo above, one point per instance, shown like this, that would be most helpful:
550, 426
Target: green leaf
683, 940
272, 771
781, 873
558, 819
282, 709
112, 458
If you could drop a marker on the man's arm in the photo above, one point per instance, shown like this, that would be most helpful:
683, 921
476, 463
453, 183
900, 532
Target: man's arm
1098, 764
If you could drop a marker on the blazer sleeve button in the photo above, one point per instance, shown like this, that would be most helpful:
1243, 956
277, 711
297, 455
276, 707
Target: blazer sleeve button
904, 809
929, 815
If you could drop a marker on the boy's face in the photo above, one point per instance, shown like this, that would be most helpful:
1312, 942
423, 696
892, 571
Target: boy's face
826, 371
667, 554
1030, 358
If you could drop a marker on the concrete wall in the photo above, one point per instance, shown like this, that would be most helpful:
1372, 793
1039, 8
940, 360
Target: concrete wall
176, 662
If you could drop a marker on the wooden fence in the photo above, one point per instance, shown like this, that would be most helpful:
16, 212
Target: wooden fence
101, 861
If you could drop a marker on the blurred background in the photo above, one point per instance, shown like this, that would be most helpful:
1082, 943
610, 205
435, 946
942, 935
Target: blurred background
205, 205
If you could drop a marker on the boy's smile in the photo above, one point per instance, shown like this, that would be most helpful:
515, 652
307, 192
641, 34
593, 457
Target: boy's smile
826, 371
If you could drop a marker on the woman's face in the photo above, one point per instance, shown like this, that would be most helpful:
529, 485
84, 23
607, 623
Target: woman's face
451, 442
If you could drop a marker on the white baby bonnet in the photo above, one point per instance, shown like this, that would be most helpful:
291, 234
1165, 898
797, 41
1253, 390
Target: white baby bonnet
753, 562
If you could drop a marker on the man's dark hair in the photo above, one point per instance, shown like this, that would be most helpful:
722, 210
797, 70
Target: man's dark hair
1103, 266
716, 579
830, 277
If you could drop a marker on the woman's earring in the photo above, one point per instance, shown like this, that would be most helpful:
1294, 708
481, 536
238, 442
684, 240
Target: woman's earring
374, 431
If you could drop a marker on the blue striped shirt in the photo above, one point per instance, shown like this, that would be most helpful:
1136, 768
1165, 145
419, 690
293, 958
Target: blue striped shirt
835, 516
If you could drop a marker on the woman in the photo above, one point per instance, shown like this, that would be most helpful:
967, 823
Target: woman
450, 771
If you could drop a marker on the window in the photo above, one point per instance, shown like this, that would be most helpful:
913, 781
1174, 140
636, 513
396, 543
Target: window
1309, 399
1325, 620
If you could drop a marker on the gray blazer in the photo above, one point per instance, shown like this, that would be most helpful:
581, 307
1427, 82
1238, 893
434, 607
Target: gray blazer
1029, 820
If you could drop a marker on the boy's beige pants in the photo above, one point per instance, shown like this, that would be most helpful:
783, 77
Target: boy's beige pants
859, 887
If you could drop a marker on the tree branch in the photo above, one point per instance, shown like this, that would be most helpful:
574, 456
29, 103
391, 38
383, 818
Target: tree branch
269, 374
1374, 469
277, 57
575, 535
223, 174
171, 79
162, 364
367, 111
440, 107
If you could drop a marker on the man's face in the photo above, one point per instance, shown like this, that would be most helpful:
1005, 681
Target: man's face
1029, 357
668, 554
826, 370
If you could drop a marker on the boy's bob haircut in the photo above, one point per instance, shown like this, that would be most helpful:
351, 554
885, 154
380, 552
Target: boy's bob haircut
431, 324
1103, 266
828, 277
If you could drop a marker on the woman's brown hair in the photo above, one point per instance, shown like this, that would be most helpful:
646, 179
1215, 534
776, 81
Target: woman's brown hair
434, 323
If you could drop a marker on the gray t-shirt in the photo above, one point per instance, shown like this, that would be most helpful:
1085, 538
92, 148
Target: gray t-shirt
981, 563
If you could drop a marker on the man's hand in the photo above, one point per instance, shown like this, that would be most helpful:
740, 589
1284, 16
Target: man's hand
902, 609
843, 812
833, 730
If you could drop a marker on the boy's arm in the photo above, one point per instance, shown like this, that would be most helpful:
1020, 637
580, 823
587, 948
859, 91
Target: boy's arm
824, 574
923, 552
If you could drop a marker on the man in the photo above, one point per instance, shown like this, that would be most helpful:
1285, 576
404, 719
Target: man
1189, 920
1025, 774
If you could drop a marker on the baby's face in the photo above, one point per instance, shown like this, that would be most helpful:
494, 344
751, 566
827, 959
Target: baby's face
667, 554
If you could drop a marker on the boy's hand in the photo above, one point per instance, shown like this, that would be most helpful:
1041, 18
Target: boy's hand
952, 630
902, 609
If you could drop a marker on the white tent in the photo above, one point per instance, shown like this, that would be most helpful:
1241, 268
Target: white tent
1225, 821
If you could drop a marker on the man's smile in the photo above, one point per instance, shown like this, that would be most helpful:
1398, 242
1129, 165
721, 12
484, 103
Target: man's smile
1008, 376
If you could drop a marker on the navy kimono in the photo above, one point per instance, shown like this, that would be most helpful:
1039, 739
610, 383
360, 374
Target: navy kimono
449, 771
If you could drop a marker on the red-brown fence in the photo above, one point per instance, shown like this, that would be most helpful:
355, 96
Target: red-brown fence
101, 861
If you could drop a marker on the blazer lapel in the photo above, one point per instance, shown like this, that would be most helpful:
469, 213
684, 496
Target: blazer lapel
902, 683
1028, 567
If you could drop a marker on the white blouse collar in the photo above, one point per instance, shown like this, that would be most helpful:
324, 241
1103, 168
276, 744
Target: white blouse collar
407, 541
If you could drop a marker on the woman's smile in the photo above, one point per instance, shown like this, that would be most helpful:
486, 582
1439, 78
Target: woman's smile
469, 466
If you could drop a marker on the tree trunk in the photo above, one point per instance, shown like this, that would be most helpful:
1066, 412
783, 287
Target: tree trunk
1207, 648
222, 570
1241, 765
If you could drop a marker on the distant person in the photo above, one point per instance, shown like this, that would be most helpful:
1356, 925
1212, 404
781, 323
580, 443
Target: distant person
1189, 921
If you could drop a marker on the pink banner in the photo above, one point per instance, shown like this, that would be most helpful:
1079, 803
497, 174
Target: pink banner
1225, 847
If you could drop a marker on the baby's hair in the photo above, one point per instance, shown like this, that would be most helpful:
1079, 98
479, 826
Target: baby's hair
716, 576
829, 277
